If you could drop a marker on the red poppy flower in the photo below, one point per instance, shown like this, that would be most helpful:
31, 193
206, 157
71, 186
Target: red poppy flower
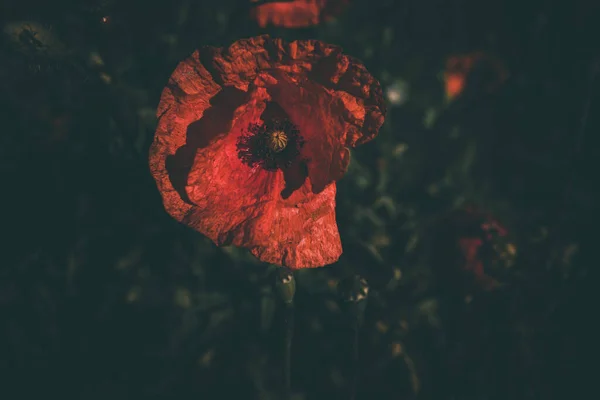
476, 240
251, 139
295, 13
477, 245
470, 248
460, 67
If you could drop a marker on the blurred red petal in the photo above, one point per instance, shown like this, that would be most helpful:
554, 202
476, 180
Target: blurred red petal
459, 68
478, 230
296, 13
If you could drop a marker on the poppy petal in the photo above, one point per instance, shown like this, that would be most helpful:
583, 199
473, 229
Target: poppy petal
184, 99
317, 114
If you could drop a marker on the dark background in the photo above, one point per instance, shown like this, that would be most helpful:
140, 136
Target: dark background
104, 296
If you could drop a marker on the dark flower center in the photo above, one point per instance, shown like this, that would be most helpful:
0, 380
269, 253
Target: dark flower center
271, 145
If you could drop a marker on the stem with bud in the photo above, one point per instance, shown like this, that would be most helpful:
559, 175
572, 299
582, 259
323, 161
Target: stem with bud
286, 286
355, 294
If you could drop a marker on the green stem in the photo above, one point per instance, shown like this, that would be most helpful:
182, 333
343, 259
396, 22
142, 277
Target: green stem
286, 286
289, 334
355, 353
355, 292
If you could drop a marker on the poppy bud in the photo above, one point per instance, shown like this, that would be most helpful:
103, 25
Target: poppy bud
355, 292
286, 285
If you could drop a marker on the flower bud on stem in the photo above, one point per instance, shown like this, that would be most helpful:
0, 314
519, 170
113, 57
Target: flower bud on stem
286, 286
354, 292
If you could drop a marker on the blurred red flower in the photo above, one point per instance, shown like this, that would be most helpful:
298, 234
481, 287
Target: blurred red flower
251, 139
295, 13
459, 68
471, 245
477, 234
